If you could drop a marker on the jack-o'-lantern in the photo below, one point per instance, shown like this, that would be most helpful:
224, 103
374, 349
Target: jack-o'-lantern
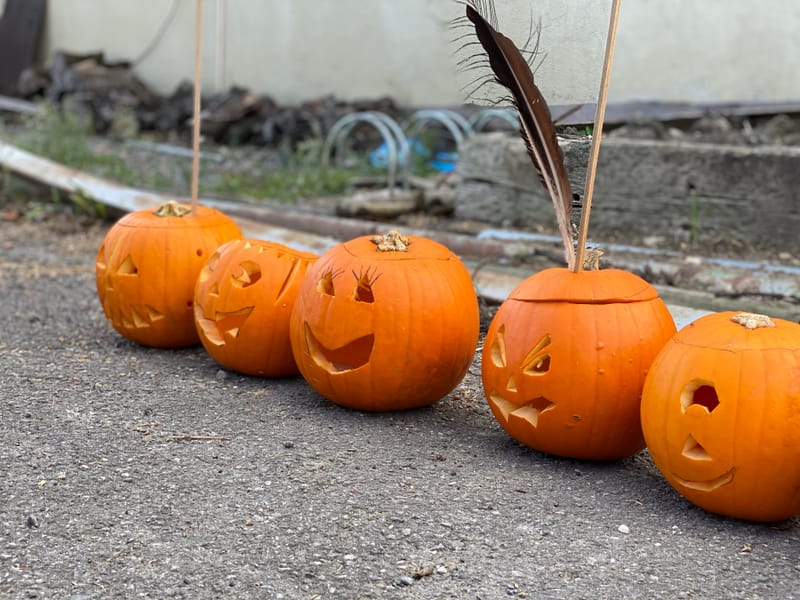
721, 415
385, 323
242, 303
147, 266
565, 358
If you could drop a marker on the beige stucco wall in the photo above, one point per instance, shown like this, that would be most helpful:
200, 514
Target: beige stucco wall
709, 50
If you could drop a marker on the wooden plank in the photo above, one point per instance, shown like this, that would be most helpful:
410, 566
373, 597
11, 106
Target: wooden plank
16, 105
20, 28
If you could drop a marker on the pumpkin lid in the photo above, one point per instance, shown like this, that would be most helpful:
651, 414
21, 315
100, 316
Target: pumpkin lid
393, 246
728, 330
587, 287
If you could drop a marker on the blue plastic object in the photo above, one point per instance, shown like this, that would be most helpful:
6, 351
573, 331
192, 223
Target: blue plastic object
444, 162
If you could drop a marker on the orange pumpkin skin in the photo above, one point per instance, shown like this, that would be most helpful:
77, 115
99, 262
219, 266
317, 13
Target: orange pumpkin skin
565, 359
242, 303
721, 416
146, 269
382, 331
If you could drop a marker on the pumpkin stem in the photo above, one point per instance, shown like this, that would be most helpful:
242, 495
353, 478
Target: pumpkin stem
591, 259
391, 242
172, 209
752, 320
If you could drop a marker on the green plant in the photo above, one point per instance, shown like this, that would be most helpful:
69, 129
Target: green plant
696, 216
66, 138
286, 184
86, 205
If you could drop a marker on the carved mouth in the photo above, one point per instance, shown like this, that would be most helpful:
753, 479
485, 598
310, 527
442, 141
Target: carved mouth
224, 324
528, 411
349, 357
709, 484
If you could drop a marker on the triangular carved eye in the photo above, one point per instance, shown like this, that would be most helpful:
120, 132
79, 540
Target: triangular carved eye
325, 283
692, 449
537, 362
128, 267
364, 282
498, 350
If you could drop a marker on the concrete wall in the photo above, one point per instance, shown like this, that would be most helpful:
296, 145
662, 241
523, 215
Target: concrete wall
709, 50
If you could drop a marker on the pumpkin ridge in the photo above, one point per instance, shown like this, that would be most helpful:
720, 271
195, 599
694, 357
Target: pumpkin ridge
734, 350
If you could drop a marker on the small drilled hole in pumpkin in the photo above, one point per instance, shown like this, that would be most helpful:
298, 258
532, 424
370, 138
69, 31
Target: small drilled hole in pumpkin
692, 449
199, 252
364, 282
700, 393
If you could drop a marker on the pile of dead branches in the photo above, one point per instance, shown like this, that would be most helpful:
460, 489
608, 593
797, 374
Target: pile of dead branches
111, 98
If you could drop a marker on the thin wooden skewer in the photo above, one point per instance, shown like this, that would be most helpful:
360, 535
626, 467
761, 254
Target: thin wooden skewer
198, 47
597, 134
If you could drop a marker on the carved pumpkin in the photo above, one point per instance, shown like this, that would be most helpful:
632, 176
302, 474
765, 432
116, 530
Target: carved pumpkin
146, 269
721, 415
242, 303
385, 323
565, 358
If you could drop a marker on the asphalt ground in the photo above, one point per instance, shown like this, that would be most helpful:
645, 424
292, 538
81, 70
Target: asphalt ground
132, 472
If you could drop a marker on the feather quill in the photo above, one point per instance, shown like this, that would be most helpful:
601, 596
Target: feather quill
512, 71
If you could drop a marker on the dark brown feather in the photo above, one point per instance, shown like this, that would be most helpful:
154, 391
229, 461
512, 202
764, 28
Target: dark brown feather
512, 71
